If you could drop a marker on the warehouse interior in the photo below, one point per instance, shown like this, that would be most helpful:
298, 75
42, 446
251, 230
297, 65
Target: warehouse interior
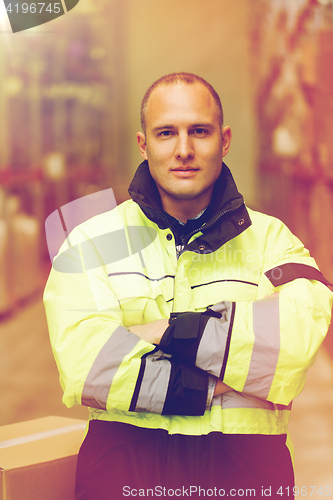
70, 94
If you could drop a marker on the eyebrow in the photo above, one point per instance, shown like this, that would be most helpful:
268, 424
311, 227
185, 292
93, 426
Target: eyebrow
163, 127
193, 125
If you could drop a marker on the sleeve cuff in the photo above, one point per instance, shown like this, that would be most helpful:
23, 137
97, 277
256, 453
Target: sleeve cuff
200, 339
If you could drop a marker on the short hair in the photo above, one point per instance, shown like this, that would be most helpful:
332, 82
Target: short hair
174, 78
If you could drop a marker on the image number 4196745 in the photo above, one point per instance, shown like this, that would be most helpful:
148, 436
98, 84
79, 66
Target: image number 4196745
24, 15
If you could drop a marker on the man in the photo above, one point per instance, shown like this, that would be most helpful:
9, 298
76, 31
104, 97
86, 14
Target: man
190, 351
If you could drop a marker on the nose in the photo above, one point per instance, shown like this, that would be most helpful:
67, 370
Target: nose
184, 148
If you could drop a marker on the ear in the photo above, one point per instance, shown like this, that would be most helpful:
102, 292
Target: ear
140, 137
226, 139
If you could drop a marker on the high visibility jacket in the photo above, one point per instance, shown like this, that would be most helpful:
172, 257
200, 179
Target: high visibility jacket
275, 313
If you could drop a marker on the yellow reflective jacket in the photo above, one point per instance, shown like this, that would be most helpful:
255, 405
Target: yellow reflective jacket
274, 313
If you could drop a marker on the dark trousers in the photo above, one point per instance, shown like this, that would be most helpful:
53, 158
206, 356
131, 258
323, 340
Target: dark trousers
118, 461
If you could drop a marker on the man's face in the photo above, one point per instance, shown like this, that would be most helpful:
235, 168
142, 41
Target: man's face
184, 143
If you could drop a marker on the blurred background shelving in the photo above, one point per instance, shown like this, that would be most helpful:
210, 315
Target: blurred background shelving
61, 103
292, 47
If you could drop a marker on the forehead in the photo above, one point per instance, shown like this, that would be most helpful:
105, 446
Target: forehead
180, 102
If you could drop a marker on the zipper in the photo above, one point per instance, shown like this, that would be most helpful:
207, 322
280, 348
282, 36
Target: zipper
195, 231
208, 225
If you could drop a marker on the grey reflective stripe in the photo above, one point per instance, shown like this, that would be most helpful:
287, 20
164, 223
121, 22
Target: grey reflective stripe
216, 401
211, 349
222, 307
155, 382
266, 348
97, 385
234, 399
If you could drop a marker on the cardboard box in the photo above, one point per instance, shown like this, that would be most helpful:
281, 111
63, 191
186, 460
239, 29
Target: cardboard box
38, 458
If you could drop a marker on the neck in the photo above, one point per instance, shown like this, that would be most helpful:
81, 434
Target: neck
184, 209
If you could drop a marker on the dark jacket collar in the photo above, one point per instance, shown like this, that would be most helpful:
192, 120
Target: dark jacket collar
228, 214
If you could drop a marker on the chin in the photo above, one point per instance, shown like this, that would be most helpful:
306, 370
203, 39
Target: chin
186, 196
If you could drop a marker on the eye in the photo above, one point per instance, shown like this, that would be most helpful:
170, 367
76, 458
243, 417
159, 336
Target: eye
165, 133
200, 131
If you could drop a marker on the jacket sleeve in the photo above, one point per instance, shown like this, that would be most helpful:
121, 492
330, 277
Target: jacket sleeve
101, 363
262, 348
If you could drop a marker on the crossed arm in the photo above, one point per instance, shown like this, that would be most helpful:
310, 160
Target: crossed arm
153, 332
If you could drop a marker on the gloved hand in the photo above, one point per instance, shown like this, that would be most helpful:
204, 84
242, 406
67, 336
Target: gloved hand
186, 331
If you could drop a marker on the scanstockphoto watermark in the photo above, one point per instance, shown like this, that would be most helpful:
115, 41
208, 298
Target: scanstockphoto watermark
120, 242
187, 491
229, 254
24, 15
238, 272
198, 491
71, 252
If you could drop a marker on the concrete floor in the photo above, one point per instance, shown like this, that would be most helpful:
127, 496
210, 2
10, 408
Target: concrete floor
311, 427
29, 377
30, 389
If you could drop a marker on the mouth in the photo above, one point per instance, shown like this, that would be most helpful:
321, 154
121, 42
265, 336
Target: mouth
184, 171
187, 167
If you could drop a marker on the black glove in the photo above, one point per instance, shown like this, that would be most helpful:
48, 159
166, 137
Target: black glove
183, 335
